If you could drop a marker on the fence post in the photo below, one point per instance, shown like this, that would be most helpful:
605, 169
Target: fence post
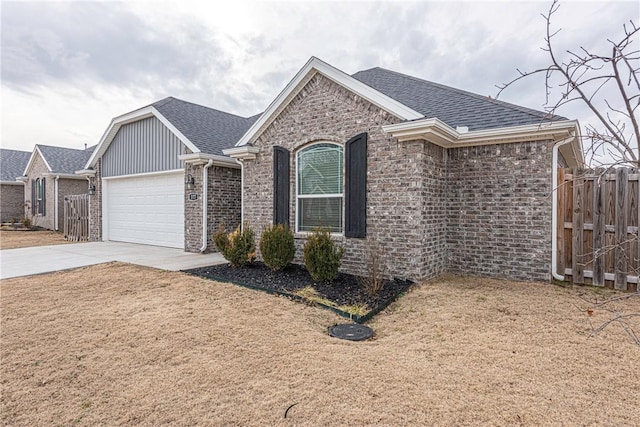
577, 267
622, 194
598, 228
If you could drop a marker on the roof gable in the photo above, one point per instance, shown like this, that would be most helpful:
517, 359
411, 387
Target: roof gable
452, 106
12, 164
64, 160
313, 66
200, 129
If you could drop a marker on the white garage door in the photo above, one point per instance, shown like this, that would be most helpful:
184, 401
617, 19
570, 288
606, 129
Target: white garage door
145, 209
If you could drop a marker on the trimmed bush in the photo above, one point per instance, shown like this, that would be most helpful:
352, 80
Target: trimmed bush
237, 247
277, 246
322, 257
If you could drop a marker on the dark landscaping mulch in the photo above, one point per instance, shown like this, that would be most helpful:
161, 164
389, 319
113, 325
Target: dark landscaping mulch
346, 290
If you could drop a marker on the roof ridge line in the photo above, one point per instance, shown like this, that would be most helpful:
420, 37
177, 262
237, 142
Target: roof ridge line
169, 98
526, 110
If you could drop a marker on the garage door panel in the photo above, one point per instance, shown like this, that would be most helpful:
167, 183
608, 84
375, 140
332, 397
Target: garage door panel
148, 210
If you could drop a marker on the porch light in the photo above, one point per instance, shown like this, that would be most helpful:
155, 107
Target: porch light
189, 182
91, 189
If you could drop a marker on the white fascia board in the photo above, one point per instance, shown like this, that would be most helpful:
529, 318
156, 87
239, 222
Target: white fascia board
16, 182
439, 133
62, 175
203, 158
246, 152
33, 159
134, 116
22, 179
315, 65
86, 172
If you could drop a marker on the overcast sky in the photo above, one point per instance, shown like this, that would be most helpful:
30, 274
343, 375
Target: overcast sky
68, 68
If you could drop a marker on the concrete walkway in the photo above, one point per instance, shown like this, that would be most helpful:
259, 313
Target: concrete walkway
44, 259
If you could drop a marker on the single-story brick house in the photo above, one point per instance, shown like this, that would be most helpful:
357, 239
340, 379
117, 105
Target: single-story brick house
48, 178
159, 177
442, 179
12, 164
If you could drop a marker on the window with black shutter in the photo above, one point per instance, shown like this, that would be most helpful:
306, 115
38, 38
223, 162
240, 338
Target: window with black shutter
280, 185
355, 191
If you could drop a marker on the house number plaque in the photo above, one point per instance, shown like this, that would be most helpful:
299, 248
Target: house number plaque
193, 196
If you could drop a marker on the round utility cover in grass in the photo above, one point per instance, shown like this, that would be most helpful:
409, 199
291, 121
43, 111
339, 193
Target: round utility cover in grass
351, 331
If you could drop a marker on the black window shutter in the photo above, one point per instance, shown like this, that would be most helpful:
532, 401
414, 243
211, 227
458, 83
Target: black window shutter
33, 196
280, 185
44, 198
355, 191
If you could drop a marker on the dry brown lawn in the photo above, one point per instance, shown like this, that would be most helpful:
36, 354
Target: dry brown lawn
116, 344
10, 239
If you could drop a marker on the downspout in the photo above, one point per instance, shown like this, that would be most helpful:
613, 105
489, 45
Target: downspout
55, 203
554, 208
241, 193
205, 182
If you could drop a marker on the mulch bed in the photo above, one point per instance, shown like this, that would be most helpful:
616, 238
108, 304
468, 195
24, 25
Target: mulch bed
346, 290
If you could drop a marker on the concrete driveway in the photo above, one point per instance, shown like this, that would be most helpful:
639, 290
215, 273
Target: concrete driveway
44, 259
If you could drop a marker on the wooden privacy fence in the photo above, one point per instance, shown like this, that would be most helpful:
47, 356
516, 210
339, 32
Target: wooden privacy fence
76, 218
598, 217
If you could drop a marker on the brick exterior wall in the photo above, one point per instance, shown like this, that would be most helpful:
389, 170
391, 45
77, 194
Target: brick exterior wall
95, 205
399, 217
11, 202
499, 202
481, 210
223, 205
37, 170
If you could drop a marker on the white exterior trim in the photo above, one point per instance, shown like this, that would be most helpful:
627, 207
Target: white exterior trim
134, 116
136, 175
203, 159
439, 133
33, 158
313, 66
246, 152
12, 182
63, 175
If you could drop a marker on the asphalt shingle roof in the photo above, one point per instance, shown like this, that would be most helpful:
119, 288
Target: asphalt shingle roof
208, 129
453, 106
65, 160
12, 163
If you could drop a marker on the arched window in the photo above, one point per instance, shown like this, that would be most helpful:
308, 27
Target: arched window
319, 188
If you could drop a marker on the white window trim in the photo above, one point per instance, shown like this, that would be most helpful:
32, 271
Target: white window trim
302, 233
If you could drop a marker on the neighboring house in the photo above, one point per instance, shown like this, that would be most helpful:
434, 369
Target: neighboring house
159, 176
48, 178
12, 164
442, 179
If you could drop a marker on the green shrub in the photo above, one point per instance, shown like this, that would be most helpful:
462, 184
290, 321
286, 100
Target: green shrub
26, 222
322, 257
277, 246
237, 247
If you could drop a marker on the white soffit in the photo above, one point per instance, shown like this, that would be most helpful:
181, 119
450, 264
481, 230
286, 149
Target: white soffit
313, 66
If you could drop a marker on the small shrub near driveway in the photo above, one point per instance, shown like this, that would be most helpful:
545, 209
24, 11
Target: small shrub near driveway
322, 257
237, 247
277, 246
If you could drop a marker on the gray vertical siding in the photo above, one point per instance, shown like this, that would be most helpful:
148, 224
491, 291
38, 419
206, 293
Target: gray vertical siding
143, 146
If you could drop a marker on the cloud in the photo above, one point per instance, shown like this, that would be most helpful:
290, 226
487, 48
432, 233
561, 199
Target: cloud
101, 42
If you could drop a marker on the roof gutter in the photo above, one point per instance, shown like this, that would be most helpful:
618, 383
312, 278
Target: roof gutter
62, 175
439, 133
